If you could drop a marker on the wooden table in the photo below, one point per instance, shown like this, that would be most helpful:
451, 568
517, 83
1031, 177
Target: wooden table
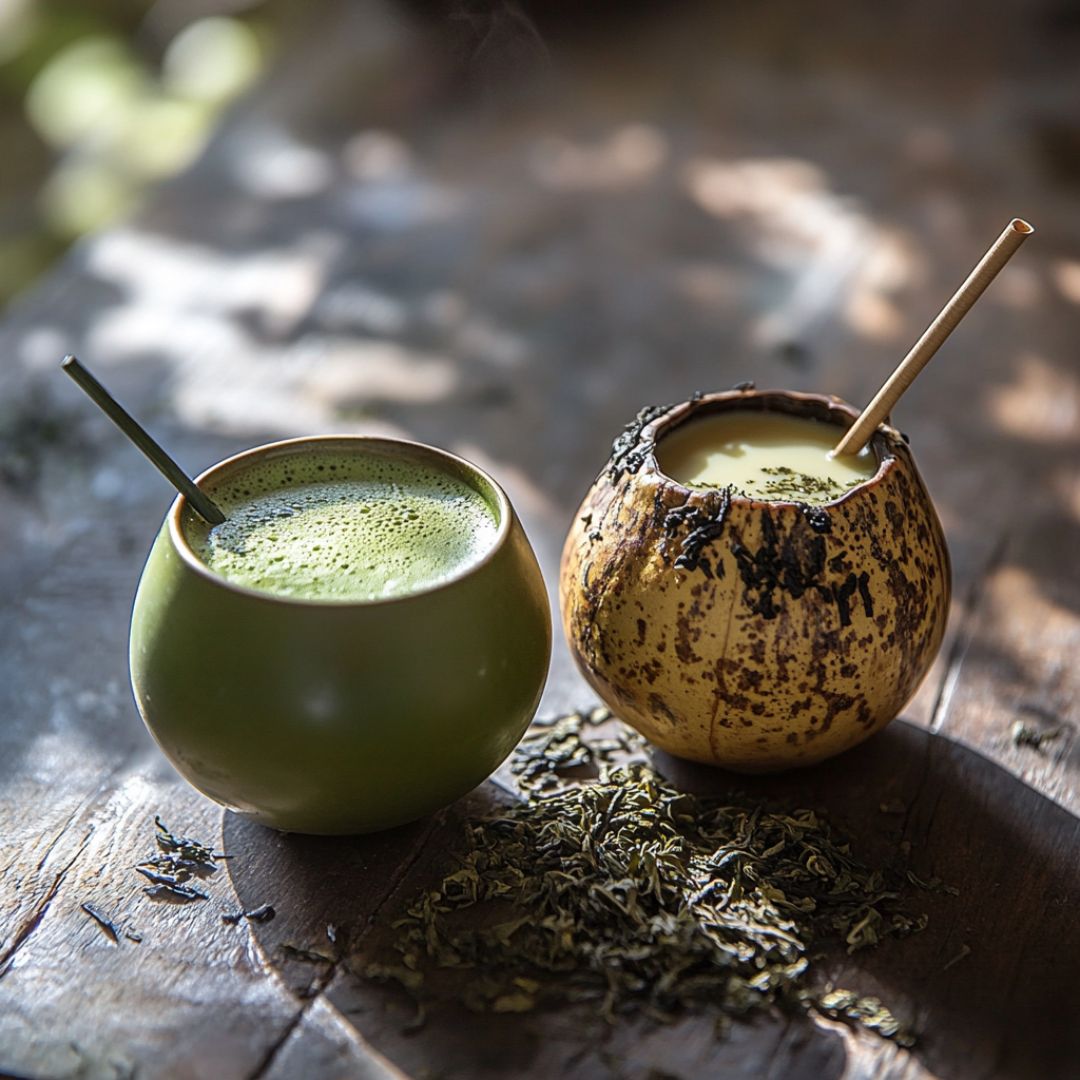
509, 264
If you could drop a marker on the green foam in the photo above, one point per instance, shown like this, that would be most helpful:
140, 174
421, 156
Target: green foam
339, 526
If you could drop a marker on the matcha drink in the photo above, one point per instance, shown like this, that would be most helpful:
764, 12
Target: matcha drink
325, 526
361, 641
762, 455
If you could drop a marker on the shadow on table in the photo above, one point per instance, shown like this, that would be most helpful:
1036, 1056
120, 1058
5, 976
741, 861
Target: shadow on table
989, 985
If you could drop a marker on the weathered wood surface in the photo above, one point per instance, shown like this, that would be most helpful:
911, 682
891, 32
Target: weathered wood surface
510, 268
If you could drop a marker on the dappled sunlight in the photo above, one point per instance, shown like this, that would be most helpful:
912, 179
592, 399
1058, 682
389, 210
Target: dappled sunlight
195, 306
480, 337
1066, 276
1067, 486
347, 371
353, 306
443, 308
187, 304
389, 205
267, 161
70, 719
376, 155
1041, 404
1019, 288
712, 285
39, 347
1028, 642
126, 333
383, 189
277, 341
167, 279
872, 315
630, 155
1045, 621
929, 145
834, 256
784, 188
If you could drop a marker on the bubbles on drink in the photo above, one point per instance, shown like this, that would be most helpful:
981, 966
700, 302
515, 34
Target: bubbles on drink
364, 529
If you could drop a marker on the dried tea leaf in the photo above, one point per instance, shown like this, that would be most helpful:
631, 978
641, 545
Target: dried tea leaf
622, 891
264, 913
181, 893
1024, 735
183, 847
108, 927
867, 1011
178, 859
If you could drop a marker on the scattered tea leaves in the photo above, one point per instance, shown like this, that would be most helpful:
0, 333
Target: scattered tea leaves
264, 913
178, 860
185, 849
179, 868
625, 892
555, 750
178, 893
159, 879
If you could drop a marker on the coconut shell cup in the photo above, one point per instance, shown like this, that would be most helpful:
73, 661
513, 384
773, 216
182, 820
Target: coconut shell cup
754, 635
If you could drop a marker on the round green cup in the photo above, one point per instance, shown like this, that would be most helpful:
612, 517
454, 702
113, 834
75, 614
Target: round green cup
339, 717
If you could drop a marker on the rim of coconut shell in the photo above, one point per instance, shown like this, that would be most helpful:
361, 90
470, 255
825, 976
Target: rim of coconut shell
885, 443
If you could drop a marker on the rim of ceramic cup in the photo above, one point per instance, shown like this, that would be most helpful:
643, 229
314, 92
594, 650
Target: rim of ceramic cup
417, 452
883, 442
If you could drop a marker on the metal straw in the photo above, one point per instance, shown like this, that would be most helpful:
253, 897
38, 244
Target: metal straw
203, 504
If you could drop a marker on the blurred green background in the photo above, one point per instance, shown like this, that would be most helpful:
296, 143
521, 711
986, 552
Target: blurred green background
99, 100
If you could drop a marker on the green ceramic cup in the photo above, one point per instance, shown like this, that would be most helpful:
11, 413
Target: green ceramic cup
340, 717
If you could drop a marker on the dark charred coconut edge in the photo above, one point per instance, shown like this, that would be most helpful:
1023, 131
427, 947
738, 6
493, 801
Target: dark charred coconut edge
701, 515
631, 449
829, 410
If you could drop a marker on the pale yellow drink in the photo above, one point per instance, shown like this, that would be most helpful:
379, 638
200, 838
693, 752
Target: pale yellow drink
762, 455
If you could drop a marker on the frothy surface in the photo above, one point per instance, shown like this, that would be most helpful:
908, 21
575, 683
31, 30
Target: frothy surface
343, 526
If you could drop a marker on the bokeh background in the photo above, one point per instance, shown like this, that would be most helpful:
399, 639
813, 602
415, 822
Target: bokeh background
99, 100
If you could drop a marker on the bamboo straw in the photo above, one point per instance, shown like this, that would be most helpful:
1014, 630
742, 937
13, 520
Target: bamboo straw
1003, 249
176, 476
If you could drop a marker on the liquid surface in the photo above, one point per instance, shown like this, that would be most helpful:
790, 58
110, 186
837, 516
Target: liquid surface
344, 527
768, 456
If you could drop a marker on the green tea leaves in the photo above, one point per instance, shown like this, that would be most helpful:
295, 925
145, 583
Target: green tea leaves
623, 891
